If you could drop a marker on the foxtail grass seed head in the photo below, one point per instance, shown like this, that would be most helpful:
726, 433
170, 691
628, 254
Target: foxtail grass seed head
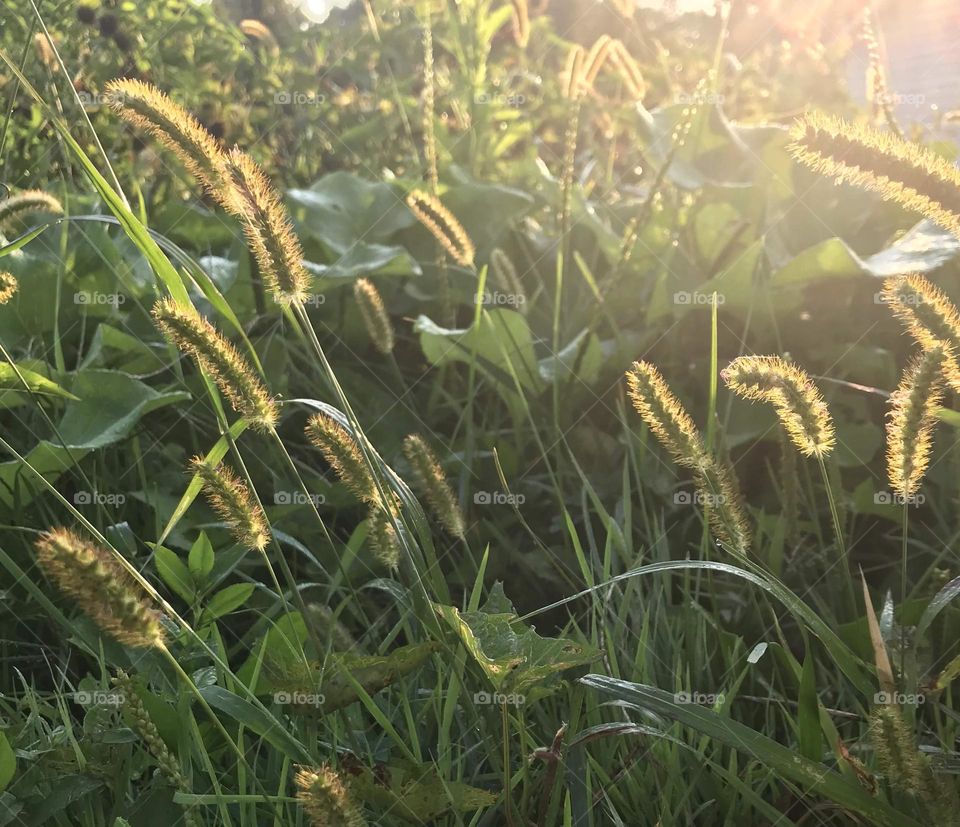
229, 496
8, 287
912, 421
443, 226
895, 169
799, 405
431, 479
343, 455
665, 416
521, 23
145, 107
383, 538
929, 316
901, 762
506, 278
571, 79
628, 70
45, 51
720, 493
596, 59
100, 586
374, 314
194, 335
268, 228
325, 799
28, 201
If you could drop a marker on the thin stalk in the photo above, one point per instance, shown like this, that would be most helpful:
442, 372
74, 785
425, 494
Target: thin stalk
837, 530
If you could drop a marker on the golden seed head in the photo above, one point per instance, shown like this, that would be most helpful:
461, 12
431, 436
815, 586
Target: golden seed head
443, 226
383, 538
145, 107
895, 169
8, 287
431, 479
912, 420
268, 228
100, 586
325, 799
929, 316
571, 79
595, 60
45, 51
374, 315
27, 201
665, 416
720, 492
521, 23
628, 70
256, 29
799, 405
194, 335
230, 497
505, 276
344, 455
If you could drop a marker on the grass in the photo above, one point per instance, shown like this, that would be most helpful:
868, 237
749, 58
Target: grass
590, 651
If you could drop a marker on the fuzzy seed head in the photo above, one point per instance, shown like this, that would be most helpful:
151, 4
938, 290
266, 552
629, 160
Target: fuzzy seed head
145, 107
596, 59
799, 406
881, 162
443, 226
100, 586
665, 416
571, 79
506, 278
912, 420
325, 799
521, 23
268, 228
28, 201
230, 497
8, 287
231, 372
374, 314
431, 479
929, 316
383, 538
344, 455
718, 488
628, 70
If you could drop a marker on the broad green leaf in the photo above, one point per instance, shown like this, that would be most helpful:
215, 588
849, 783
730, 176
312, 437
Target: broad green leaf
256, 720
501, 339
13, 392
174, 573
8, 762
228, 599
110, 405
201, 558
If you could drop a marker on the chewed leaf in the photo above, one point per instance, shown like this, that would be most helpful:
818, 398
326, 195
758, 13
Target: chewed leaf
412, 792
512, 655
